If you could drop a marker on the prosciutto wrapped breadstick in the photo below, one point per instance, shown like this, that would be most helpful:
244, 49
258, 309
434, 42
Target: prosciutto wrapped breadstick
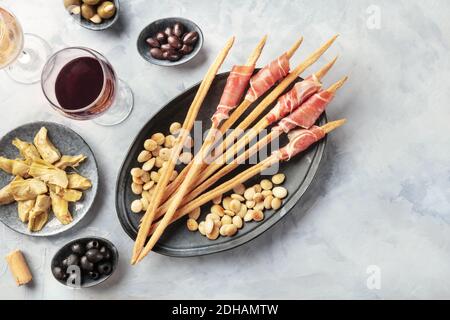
258, 110
311, 114
299, 140
237, 113
235, 87
170, 165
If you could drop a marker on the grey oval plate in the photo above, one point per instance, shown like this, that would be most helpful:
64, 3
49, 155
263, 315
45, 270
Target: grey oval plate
69, 143
177, 241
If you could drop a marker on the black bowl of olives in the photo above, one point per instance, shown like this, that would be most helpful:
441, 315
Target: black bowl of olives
85, 262
170, 41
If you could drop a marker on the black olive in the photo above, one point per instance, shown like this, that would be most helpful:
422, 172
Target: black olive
104, 268
85, 264
92, 245
59, 273
105, 252
94, 275
77, 248
71, 260
94, 255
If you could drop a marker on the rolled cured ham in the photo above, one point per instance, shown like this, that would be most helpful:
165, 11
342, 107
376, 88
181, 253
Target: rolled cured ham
267, 76
234, 89
308, 113
300, 140
294, 98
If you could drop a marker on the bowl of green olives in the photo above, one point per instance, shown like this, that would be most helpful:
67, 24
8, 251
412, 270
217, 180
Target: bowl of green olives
85, 262
93, 14
170, 41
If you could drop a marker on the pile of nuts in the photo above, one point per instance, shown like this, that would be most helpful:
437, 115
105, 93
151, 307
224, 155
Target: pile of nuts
157, 151
92, 10
229, 213
173, 43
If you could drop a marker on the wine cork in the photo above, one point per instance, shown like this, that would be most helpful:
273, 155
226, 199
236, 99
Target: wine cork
19, 267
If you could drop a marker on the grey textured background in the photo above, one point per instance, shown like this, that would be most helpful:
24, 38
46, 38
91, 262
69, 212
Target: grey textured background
383, 194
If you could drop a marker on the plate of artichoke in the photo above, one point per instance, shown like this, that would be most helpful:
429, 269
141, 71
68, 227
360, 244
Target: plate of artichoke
48, 179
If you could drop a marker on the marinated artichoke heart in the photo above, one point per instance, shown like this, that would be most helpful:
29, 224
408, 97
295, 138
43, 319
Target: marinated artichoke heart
70, 161
26, 149
14, 167
67, 194
24, 208
60, 208
48, 173
78, 182
27, 189
5, 195
45, 147
39, 214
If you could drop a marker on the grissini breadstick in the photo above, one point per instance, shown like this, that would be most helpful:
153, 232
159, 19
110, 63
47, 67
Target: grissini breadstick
237, 113
170, 165
300, 140
314, 108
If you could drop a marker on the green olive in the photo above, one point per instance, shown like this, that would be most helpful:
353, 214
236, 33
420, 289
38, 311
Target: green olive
106, 10
91, 2
87, 11
70, 3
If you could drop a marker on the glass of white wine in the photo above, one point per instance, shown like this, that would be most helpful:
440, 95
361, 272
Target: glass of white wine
22, 55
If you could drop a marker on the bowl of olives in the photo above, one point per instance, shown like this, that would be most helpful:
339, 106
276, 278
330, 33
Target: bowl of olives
170, 41
85, 262
93, 14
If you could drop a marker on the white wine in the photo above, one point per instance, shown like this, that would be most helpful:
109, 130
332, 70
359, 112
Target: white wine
11, 38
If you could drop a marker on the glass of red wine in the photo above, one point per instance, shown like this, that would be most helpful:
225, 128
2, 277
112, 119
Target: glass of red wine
81, 84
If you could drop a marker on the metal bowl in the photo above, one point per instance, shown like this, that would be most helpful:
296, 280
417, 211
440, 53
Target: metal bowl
160, 25
105, 24
86, 282
68, 142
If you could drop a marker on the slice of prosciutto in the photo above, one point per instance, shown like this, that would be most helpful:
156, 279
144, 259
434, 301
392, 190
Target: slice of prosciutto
300, 140
307, 114
232, 93
267, 76
294, 98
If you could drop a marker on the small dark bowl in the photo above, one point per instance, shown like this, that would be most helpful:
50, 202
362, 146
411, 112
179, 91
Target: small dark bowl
86, 282
105, 24
160, 25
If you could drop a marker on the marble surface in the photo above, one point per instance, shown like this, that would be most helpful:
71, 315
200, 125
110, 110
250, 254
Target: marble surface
376, 222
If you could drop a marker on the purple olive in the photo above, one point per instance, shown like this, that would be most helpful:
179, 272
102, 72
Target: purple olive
178, 29
190, 38
166, 47
185, 49
174, 41
153, 43
168, 31
161, 37
156, 53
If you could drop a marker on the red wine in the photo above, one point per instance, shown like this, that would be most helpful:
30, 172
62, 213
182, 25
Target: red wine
79, 83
